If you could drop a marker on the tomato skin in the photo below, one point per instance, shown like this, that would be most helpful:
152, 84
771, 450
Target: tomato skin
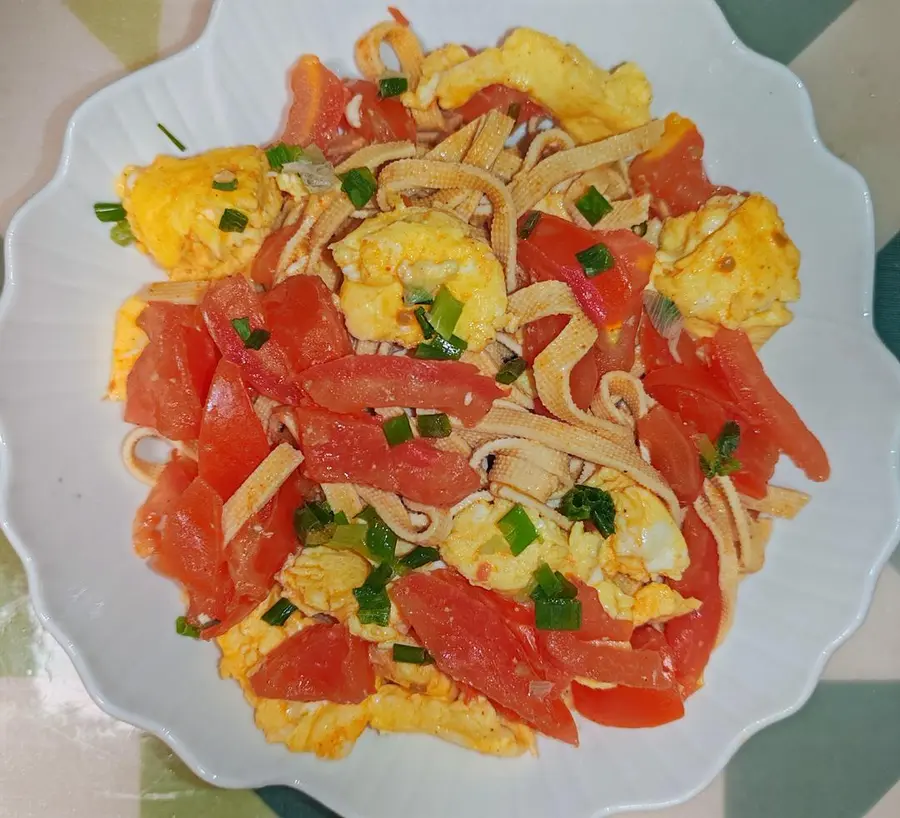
232, 440
178, 474
321, 662
596, 623
672, 452
472, 643
432, 476
167, 385
628, 706
656, 353
758, 457
696, 395
673, 172
735, 363
381, 120
355, 382
584, 377
265, 262
267, 369
499, 98
317, 108
305, 322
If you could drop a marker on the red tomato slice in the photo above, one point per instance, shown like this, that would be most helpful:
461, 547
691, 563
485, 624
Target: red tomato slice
499, 98
758, 456
353, 449
604, 662
628, 706
596, 623
317, 109
381, 120
321, 662
178, 474
656, 352
672, 386
673, 173
168, 383
584, 377
267, 369
614, 350
672, 452
356, 382
734, 361
232, 440
692, 637
265, 263
472, 643
305, 322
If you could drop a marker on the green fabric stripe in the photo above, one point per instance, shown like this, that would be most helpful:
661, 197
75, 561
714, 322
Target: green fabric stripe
133, 36
289, 803
781, 29
17, 625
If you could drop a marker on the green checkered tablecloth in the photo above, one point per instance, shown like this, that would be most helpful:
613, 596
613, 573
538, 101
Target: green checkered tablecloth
61, 757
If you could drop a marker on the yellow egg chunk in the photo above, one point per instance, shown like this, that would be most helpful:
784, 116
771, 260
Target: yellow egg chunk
435, 62
730, 264
589, 102
418, 249
128, 343
174, 210
321, 580
657, 602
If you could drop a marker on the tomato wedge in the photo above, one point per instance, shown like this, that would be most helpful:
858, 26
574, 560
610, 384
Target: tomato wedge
232, 440
596, 623
381, 120
472, 643
167, 385
178, 474
353, 449
321, 662
672, 452
656, 352
305, 322
672, 172
758, 456
317, 109
267, 369
734, 361
265, 262
628, 706
500, 98
356, 382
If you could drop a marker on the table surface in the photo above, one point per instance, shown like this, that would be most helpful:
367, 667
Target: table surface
61, 757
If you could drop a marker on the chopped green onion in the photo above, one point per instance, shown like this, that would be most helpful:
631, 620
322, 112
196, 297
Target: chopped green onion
233, 221
593, 205
412, 654
172, 138
546, 578
717, 459
314, 523
257, 338
280, 155
279, 613
436, 425
511, 371
729, 439
440, 349
397, 430
352, 536
359, 184
445, 313
184, 628
555, 613
225, 180
392, 86
529, 224
374, 603
419, 556
242, 327
380, 539
424, 323
663, 314
109, 211
121, 233
590, 503
517, 528
417, 295
640, 229
341, 519
595, 260
495, 545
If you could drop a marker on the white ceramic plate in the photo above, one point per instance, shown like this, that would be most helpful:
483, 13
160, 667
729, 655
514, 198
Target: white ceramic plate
67, 503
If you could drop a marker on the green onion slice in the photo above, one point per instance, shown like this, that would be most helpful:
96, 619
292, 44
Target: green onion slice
341, 519
279, 613
374, 603
555, 613
184, 628
440, 349
225, 180
314, 523
663, 314
419, 556
380, 539
546, 578
424, 323
397, 430
529, 224
253, 339
445, 312
411, 654
352, 536
590, 503
717, 459
109, 211
359, 184
436, 425
511, 371
172, 138
517, 528
233, 221
595, 260
417, 295
121, 233
593, 205
392, 85
280, 155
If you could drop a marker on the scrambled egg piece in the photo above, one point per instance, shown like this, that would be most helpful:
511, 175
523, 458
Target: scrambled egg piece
174, 210
729, 264
128, 343
589, 102
321, 580
435, 62
418, 248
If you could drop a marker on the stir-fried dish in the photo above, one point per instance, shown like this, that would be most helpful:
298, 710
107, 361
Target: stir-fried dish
468, 429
